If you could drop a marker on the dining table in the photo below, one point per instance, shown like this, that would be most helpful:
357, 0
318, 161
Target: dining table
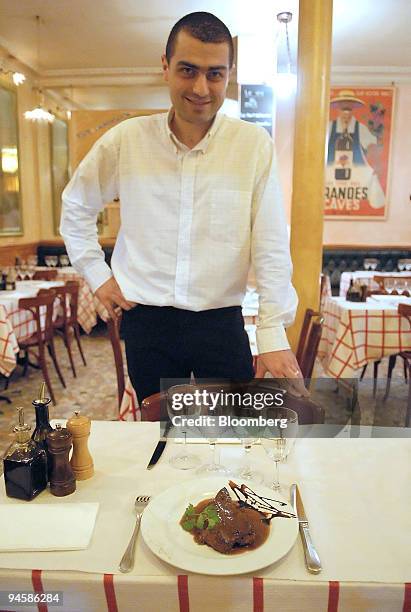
357, 333
356, 492
17, 324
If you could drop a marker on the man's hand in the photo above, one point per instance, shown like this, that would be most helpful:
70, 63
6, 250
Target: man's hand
109, 294
282, 364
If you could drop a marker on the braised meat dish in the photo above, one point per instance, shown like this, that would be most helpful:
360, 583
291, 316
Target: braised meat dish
227, 525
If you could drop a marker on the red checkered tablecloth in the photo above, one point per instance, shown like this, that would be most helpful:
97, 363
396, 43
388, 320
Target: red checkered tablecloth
357, 333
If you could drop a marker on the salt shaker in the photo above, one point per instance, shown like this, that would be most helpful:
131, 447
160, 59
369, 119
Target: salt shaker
62, 480
81, 460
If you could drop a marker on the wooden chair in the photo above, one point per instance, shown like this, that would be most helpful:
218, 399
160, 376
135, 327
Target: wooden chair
46, 275
67, 322
308, 342
113, 328
404, 310
42, 337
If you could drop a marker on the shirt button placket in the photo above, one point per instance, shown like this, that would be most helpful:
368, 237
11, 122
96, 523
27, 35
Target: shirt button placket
188, 164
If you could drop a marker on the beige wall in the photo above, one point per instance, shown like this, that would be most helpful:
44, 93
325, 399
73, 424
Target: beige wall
396, 229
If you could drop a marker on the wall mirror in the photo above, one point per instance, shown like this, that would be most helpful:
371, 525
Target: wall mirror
10, 200
59, 166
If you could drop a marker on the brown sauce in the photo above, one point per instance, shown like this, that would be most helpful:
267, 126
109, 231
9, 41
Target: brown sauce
259, 524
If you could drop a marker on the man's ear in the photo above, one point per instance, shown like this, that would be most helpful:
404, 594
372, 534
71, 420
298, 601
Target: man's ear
164, 63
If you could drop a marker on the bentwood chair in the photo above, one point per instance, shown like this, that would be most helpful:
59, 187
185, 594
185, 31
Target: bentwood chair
41, 307
308, 342
66, 324
113, 329
404, 310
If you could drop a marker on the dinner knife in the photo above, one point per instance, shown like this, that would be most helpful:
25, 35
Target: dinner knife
159, 449
312, 560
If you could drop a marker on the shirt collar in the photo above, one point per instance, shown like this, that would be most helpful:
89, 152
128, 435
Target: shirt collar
204, 142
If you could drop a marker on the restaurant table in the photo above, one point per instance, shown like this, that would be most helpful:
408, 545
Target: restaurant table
367, 276
356, 493
356, 333
15, 323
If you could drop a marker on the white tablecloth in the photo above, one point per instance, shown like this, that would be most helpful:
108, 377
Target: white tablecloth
356, 492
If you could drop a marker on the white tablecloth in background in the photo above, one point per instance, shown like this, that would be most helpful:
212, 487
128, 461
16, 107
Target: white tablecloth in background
356, 492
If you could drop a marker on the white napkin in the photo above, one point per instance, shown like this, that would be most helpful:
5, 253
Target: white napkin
46, 526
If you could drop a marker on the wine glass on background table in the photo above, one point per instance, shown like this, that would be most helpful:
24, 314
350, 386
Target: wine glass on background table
177, 407
54, 260
64, 261
278, 440
389, 285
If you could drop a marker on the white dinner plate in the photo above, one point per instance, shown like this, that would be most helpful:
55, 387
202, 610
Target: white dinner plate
167, 539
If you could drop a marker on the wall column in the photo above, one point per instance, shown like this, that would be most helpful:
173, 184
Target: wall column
311, 116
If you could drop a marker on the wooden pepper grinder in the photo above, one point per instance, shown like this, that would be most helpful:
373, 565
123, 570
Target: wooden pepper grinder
81, 460
62, 481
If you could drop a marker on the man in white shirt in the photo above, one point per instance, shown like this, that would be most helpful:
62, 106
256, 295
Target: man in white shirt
199, 201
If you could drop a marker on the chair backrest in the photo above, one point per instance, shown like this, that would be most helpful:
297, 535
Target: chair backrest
45, 299
113, 328
311, 348
405, 311
302, 341
68, 295
47, 275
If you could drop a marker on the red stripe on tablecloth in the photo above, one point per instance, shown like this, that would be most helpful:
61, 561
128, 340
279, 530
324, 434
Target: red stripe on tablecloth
407, 597
183, 600
333, 596
110, 593
38, 587
258, 595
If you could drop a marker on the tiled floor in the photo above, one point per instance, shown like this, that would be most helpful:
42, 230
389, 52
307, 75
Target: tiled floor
94, 391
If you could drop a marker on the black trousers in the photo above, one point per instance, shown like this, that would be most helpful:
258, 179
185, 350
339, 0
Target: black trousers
166, 342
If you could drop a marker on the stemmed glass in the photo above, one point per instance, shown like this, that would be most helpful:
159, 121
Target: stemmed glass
53, 261
278, 440
212, 431
389, 285
176, 406
64, 261
248, 436
47, 261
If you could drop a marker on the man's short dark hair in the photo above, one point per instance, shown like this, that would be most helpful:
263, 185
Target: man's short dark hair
205, 27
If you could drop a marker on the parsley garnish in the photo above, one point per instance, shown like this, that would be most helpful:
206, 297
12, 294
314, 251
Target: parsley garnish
207, 519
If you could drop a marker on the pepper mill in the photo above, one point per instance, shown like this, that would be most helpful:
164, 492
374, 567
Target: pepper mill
62, 481
81, 460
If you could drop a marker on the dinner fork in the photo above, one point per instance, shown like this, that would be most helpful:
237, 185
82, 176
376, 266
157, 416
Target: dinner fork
127, 561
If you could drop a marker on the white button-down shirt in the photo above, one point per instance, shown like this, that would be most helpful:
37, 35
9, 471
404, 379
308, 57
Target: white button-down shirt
192, 220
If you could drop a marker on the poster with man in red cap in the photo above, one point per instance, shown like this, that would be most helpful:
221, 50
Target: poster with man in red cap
357, 170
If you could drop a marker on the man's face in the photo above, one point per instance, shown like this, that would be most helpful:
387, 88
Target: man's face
197, 76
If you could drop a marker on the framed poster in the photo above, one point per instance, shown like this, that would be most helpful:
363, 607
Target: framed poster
358, 153
59, 166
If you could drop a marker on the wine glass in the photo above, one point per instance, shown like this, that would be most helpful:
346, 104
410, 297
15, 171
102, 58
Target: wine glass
212, 430
47, 260
248, 435
278, 439
179, 405
53, 261
64, 261
389, 285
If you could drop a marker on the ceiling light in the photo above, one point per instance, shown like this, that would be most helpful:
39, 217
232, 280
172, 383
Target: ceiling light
285, 84
18, 78
40, 115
